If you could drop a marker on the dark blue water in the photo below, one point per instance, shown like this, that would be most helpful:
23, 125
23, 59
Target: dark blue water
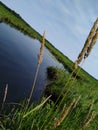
18, 63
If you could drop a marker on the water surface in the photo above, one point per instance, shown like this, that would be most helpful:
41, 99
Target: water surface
18, 63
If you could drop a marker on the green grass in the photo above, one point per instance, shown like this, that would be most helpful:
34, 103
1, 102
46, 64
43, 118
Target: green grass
64, 88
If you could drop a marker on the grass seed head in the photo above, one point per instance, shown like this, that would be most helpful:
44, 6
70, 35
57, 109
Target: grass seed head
64, 113
89, 43
40, 56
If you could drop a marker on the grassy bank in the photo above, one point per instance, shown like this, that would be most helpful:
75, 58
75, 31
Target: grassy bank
74, 101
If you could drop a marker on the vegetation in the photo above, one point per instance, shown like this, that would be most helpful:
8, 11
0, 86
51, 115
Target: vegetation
72, 97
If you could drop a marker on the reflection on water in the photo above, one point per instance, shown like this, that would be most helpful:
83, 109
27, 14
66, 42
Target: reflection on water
18, 62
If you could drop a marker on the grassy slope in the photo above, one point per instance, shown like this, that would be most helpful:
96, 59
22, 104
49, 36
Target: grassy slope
16, 21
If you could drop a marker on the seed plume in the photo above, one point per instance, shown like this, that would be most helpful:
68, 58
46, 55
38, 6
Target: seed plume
89, 43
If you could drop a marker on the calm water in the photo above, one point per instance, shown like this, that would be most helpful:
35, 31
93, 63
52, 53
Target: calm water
18, 62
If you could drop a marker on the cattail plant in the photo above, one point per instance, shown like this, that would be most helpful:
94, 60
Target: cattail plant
40, 58
91, 40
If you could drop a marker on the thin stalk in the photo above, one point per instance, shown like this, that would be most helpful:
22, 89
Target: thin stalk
40, 58
33, 86
5, 95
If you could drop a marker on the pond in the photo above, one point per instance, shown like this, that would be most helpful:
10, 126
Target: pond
18, 64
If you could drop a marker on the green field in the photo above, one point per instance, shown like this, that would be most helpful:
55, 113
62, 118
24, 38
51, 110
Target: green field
74, 97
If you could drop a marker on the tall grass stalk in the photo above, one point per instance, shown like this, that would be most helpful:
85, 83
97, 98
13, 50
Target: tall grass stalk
5, 95
36, 108
64, 114
71, 113
90, 110
88, 121
40, 58
68, 81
